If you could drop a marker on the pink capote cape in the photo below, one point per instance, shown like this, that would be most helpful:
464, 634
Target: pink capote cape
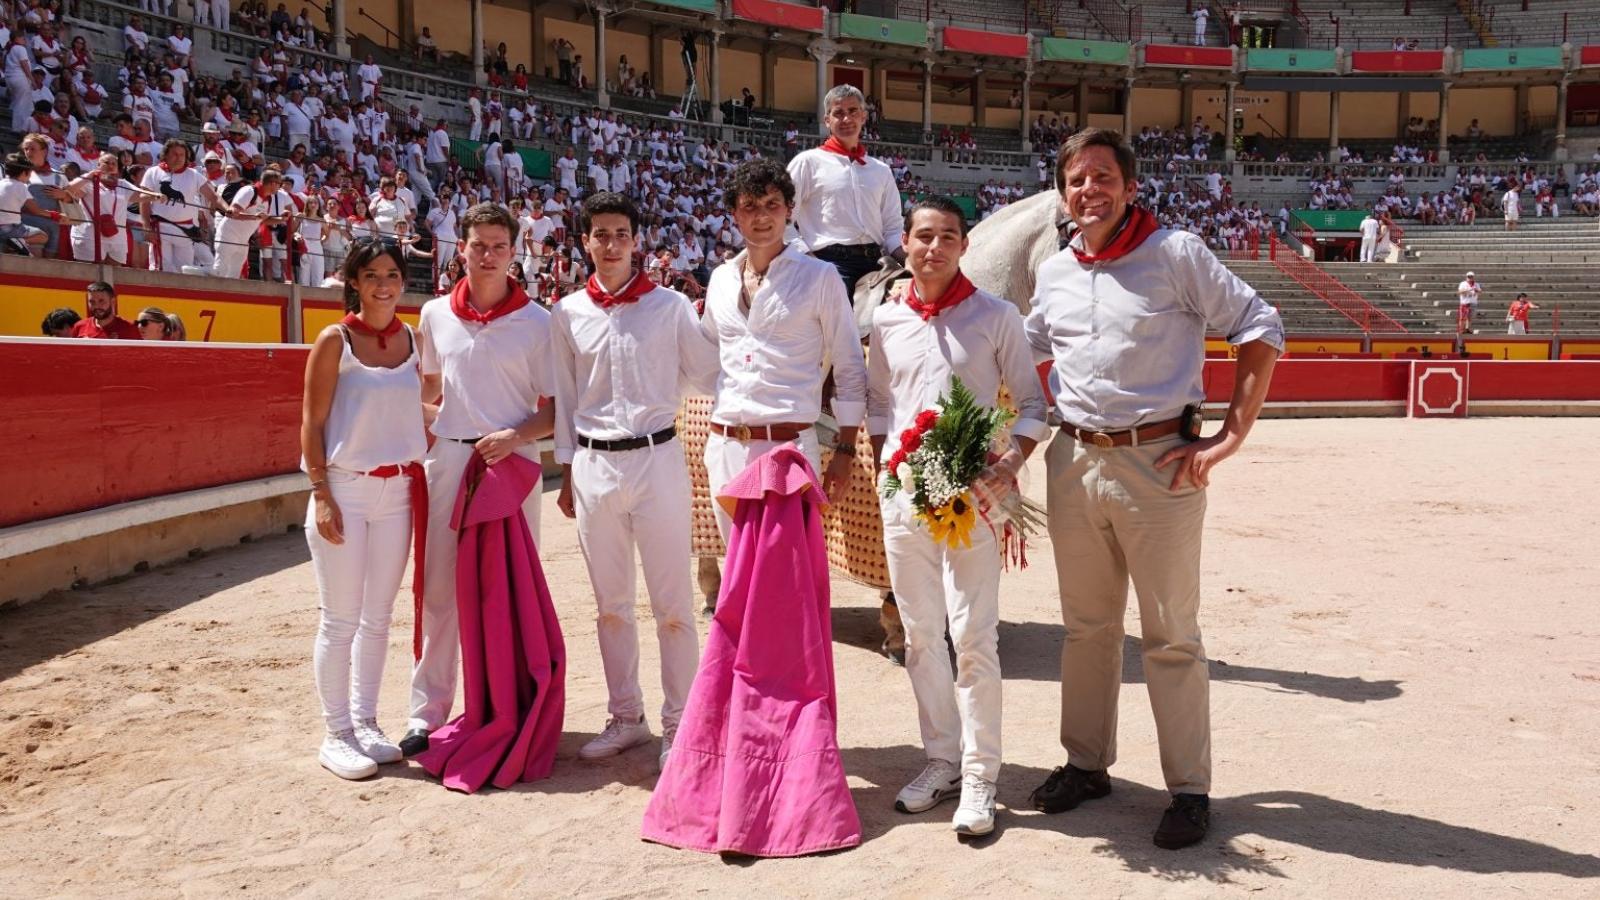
755, 768
514, 663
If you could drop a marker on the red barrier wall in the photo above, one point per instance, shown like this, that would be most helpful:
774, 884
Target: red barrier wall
1183, 55
986, 43
1566, 380
1397, 60
1319, 381
103, 422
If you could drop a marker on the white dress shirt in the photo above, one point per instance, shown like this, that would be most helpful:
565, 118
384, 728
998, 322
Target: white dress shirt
910, 364
837, 201
493, 373
622, 372
774, 361
1128, 336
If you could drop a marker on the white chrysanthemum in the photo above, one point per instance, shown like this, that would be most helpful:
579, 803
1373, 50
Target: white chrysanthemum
908, 478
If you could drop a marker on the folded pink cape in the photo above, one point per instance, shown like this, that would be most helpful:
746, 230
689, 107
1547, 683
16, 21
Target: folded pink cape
755, 768
513, 661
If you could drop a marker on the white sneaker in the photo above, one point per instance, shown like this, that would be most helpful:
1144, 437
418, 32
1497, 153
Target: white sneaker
975, 815
940, 780
669, 733
375, 744
617, 737
342, 756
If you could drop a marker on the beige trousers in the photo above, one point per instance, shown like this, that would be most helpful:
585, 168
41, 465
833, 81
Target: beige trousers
1113, 517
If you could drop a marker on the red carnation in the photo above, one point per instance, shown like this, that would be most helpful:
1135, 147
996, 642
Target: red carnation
895, 460
927, 419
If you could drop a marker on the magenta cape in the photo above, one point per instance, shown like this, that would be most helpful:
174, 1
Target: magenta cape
513, 660
755, 768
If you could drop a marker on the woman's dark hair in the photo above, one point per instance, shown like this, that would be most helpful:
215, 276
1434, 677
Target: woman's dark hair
754, 178
58, 319
362, 254
16, 164
942, 204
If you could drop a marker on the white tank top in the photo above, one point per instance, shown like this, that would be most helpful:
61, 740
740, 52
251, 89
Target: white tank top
376, 417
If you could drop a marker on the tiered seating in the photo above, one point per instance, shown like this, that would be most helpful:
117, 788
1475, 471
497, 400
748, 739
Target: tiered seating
1546, 23
1374, 24
989, 15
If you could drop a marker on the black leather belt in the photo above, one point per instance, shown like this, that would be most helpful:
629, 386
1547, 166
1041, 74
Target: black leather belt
869, 251
633, 443
471, 442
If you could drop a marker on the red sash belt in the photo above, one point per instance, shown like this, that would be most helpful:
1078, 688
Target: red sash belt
419, 538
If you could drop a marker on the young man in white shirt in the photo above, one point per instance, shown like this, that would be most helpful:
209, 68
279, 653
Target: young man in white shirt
253, 206
174, 224
371, 78
623, 350
846, 203
780, 320
945, 329
485, 361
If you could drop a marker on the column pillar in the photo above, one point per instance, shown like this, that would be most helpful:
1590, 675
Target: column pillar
657, 47
823, 51
340, 46
407, 26
1519, 124
1185, 105
599, 66
541, 49
769, 78
1402, 115
927, 97
478, 76
714, 95
980, 86
1027, 104
875, 81
1080, 104
1561, 119
1127, 108
1333, 127
1291, 120
1444, 122
1228, 135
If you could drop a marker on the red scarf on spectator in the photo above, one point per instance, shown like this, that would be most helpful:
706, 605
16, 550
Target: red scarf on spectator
636, 287
461, 302
959, 290
857, 156
355, 323
1137, 225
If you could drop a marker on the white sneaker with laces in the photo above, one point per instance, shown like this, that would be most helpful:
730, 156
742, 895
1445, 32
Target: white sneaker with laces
940, 780
617, 737
975, 815
342, 756
669, 733
375, 745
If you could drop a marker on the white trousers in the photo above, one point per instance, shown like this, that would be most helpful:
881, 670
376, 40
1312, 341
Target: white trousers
958, 713
177, 248
476, 131
358, 581
1368, 247
221, 14
21, 111
639, 498
312, 264
1517, 326
434, 676
727, 457
230, 257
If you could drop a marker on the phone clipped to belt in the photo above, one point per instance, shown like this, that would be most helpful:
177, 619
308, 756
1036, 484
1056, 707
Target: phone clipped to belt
1189, 428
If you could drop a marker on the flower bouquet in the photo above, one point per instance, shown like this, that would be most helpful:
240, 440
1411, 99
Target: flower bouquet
939, 463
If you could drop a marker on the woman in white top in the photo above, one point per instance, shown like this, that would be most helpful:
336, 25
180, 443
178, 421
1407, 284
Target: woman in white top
104, 198
493, 157
312, 228
362, 441
334, 239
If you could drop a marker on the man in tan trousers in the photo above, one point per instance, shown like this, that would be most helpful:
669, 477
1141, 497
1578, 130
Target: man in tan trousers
1123, 312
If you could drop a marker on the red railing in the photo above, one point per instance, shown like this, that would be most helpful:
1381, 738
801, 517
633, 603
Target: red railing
1331, 290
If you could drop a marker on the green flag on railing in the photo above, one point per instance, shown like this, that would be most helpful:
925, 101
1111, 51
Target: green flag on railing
1063, 50
888, 31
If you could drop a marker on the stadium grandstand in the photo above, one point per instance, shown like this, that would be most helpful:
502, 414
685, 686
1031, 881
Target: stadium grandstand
1270, 128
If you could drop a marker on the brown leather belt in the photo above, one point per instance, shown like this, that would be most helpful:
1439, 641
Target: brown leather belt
1134, 436
783, 431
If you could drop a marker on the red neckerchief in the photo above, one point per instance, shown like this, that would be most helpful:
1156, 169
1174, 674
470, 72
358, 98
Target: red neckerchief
354, 322
168, 170
959, 290
636, 287
461, 302
1137, 225
857, 156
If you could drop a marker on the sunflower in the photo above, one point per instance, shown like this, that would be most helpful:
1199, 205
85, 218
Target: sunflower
952, 523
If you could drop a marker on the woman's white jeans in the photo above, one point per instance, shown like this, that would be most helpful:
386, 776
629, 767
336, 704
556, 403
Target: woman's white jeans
358, 581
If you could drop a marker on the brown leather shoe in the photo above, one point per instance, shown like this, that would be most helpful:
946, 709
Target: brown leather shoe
1185, 822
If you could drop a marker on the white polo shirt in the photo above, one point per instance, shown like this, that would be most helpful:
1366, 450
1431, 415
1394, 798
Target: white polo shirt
493, 373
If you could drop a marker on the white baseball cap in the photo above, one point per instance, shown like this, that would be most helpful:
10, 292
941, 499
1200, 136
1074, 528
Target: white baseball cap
1470, 275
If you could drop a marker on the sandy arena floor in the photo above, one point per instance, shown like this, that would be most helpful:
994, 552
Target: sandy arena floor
1406, 703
